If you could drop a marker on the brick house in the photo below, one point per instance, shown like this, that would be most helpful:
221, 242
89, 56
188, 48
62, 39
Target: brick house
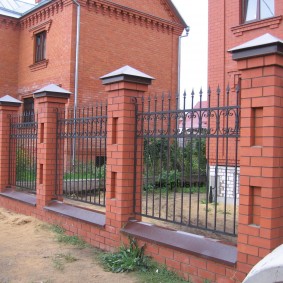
40, 46
230, 26
248, 26
234, 24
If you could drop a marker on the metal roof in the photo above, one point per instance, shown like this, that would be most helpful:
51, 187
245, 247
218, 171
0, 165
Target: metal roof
8, 98
265, 39
127, 70
52, 88
18, 8
14, 8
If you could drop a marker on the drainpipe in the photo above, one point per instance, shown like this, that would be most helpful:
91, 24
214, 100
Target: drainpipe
76, 75
187, 29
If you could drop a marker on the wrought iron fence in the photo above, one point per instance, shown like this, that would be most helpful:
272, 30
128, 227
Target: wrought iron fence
81, 156
23, 151
190, 160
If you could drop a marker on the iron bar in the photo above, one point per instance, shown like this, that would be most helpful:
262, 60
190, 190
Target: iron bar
186, 163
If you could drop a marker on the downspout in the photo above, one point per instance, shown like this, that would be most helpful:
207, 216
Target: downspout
76, 76
187, 29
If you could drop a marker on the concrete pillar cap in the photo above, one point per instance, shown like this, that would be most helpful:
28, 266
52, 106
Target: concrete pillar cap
127, 74
10, 101
262, 45
52, 90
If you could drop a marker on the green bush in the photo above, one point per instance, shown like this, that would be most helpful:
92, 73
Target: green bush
128, 259
169, 179
86, 171
25, 167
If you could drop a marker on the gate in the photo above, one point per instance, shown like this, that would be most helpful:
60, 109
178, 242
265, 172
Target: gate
81, 154
23, 151
189, 160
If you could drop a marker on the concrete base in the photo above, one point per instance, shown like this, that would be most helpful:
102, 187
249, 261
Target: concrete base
269, 269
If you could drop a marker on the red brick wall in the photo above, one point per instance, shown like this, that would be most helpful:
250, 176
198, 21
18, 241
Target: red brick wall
58, 51
9, 49
108, 41
157, 8
226, 31
260, 211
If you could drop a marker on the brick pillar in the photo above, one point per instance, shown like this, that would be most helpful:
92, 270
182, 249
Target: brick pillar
8, 106
47, 101
261, 153
124, 86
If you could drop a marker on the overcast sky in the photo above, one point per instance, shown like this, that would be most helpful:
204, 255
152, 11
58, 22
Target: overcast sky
194, 47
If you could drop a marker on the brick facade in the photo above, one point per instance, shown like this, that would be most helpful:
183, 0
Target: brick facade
143, 35
9, 49
260, 210
260, 78
226, 30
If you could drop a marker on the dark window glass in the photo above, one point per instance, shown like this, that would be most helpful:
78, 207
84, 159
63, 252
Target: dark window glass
255, 10
28, 109
40, 42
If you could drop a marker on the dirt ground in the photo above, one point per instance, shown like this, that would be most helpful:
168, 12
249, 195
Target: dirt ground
194, 206
197, 208
29, 253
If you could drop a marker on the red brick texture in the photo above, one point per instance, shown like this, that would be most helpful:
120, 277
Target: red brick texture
143, 35
9, 50
226, 31
120, 152
260, 210
5, 112
46, 148
119, 188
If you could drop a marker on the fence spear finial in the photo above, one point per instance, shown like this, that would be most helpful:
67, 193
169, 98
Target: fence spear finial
218, 91
228, 89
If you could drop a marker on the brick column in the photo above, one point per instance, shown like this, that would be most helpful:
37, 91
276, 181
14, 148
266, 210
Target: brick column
261, 152
47, 101
124, 86
8, 106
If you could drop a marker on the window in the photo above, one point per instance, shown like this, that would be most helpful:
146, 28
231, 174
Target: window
40, 42
255, 10
28, 109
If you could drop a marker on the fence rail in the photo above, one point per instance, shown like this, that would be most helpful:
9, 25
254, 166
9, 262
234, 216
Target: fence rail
190, 160
81, 145
23, 151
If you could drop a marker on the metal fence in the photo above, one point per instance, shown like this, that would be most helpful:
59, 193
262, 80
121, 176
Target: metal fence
190, 160
23, 151
81, 146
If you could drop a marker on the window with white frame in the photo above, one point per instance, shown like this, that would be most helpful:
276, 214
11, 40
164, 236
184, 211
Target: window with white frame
255, 10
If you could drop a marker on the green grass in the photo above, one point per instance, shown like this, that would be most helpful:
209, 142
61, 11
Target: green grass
192, 190
61, 237
59, 260
84, 172
58, 264
159, 273
132, 258
127, 259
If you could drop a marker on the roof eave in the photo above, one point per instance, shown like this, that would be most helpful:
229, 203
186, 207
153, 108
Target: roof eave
172, 6
17, 14
39, 5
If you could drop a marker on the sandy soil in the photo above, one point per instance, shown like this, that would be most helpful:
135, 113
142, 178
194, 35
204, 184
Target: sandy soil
29, 253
